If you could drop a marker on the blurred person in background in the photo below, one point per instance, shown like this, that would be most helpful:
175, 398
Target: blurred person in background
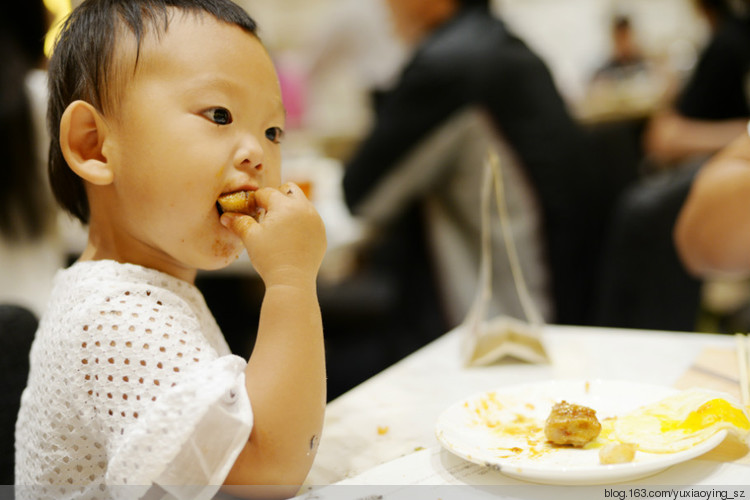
30, 248
713, 106
29, 254
644, 284
712, 236
629, 84
627, 58
414, 178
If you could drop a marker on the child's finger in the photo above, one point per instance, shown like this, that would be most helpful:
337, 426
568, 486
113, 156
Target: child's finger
239, 223
291, 189
263, 196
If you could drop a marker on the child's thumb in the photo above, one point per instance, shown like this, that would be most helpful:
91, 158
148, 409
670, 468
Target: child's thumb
239, 223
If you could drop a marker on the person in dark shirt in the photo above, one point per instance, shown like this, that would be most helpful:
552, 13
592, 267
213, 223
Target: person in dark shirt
464, 58
21, 50
645, 284
713, 106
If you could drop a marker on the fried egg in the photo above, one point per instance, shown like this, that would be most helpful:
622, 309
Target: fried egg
681, 421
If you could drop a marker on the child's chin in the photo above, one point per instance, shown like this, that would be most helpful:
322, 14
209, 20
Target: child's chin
226, 261
223, 259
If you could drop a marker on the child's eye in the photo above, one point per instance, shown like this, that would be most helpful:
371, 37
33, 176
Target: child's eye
220, 116
274, 134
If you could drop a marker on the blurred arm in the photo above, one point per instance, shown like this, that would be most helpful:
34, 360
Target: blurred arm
713, 229
711, 110
671, 137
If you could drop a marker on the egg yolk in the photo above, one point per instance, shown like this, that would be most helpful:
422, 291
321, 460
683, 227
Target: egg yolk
708, 414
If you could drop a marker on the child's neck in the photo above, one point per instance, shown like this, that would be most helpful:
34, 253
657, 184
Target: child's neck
95, 250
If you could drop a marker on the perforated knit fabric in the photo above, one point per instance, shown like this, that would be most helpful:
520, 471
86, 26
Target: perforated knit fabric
131, 385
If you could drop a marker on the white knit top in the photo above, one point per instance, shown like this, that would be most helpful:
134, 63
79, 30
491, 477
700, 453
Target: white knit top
131, 385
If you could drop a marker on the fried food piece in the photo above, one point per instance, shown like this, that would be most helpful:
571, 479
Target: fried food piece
617, 453
242, 202
571, 424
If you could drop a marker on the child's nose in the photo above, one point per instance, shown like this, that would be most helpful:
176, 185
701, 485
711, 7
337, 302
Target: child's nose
249, 154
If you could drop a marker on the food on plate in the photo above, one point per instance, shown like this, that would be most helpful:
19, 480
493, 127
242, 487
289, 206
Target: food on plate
571, 424
681, 421
242, 202
617, 453
548, 428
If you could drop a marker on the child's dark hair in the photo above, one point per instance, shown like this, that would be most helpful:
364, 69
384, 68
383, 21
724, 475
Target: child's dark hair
82, 67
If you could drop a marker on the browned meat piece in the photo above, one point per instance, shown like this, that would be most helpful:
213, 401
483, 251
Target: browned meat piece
571, 424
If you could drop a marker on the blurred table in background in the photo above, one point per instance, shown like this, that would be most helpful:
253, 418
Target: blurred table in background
634, 96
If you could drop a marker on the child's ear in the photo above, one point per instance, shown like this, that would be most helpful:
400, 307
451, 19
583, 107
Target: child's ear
82, 134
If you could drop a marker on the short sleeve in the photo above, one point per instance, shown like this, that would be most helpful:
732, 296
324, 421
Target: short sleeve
168, 403
189, 439
132, 392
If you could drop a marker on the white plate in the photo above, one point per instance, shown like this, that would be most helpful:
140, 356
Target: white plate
463, 431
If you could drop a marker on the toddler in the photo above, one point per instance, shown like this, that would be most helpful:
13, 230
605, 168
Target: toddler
158, 108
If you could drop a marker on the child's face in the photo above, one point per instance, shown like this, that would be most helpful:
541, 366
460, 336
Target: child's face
201, 117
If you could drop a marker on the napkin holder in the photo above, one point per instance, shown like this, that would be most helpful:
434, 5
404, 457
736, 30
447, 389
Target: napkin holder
505, 337
488, 341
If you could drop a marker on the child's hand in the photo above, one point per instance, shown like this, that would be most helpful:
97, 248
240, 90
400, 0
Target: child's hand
288, 244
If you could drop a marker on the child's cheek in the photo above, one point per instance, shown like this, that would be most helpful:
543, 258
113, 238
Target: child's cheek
273, 175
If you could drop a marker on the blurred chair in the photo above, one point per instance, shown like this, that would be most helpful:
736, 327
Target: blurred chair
642, 282
421, 271
444, 174
17, 328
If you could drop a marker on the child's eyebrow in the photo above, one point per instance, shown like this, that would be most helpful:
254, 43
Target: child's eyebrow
210, 82
200, 84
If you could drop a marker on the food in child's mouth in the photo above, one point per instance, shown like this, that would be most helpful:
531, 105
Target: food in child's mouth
571, 425
242, 202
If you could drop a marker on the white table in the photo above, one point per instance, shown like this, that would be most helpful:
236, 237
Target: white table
390, 418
